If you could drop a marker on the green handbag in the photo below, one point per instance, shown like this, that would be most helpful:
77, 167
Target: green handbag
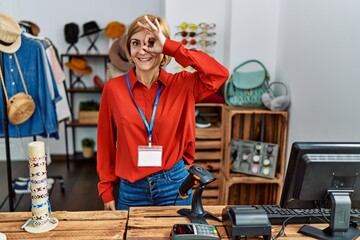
245, 88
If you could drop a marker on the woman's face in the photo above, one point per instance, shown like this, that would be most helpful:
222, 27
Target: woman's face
143, 60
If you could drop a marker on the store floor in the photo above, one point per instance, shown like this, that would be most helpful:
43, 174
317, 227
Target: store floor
80, 184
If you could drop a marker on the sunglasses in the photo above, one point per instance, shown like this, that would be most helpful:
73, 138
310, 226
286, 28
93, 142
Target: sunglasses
183, 26
194, 42
193, 34
186, 42
205, 26
207, 43
185, 34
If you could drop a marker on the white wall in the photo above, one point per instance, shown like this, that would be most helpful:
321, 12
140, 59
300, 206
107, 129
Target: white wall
318, 57
200, 11
313, 46
51, 18
253, 32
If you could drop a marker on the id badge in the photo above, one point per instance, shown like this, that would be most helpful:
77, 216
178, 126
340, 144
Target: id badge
149, 156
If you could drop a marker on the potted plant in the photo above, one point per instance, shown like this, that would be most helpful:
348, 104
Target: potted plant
88, 145
88, 112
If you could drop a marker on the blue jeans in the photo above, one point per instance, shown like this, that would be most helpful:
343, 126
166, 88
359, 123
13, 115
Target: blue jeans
158, 189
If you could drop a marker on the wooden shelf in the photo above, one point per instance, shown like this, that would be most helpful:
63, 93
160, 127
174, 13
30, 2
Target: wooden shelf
255, 124
75, 123
209, 147
79, 157
209, 133
84, 90
85, 55
76, 93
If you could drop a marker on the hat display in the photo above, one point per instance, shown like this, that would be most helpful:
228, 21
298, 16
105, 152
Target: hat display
90, 28
115, 29
10, 34
32, 27
78, 65
118, 56
71, 31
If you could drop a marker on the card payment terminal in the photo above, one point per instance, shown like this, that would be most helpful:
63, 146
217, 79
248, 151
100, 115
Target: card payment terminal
194, 231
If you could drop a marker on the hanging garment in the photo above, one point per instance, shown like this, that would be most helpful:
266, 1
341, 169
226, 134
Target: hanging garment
33, 64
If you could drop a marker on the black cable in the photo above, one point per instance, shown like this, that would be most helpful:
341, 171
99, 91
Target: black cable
282, 230
323, 214
284, 224
177, 195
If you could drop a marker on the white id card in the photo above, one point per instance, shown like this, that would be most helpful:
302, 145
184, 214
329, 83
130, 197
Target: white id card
149, 156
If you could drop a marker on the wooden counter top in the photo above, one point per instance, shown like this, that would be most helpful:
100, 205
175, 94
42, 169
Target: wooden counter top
156, 223
72, 225
140, 223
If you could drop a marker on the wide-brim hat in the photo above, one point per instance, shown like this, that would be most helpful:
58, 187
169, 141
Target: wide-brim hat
90, 28
79, 65
10, 34
118, 56
115, 29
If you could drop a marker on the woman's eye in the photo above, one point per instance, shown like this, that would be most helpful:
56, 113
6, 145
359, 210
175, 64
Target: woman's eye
135, 43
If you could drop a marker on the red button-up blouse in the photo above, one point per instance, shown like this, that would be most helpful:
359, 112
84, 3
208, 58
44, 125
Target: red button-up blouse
121, 129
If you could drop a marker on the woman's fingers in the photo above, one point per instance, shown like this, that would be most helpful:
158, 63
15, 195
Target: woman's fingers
153, 27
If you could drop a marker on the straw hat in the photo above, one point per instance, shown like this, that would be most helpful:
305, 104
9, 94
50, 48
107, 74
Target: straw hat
117, 54
79, 65
115, 29
10, 34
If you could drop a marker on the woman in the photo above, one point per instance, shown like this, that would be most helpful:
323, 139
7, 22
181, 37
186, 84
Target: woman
146, 128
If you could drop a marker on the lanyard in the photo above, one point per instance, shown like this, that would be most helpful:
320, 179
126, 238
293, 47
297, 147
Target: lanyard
149, 128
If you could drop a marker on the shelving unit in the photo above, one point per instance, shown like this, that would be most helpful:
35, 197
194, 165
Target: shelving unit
209, 147
256, 125
94, 60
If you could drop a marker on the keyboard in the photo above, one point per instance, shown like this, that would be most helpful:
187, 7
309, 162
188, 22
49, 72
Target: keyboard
278, 215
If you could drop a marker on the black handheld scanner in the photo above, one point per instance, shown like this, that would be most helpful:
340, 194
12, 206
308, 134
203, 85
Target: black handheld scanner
197, 176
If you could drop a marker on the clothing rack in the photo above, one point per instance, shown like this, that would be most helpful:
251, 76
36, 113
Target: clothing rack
7, 144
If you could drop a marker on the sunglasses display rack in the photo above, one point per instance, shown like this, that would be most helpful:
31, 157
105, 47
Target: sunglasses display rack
197, 36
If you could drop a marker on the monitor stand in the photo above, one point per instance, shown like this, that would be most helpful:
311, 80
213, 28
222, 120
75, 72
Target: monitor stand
340, 220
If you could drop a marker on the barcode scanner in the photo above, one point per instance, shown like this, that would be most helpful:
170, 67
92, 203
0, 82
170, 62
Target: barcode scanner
199, 177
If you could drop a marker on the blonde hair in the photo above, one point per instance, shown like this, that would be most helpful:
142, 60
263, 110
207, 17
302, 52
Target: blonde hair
134, 28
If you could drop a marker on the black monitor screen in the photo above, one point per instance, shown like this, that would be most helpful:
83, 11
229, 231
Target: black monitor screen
317, 168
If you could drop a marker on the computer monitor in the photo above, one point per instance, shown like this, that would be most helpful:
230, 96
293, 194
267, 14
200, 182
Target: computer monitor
324, 174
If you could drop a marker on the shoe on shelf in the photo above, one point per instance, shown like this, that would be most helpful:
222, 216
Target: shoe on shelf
21, 179
200, 122
21, 187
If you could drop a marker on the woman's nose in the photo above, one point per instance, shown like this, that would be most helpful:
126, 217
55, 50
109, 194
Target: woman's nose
142, 49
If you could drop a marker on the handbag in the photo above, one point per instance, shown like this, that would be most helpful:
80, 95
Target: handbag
245, 88
21, 106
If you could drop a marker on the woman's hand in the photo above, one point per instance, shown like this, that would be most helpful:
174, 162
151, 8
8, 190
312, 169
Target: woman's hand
155, 40
109, 205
